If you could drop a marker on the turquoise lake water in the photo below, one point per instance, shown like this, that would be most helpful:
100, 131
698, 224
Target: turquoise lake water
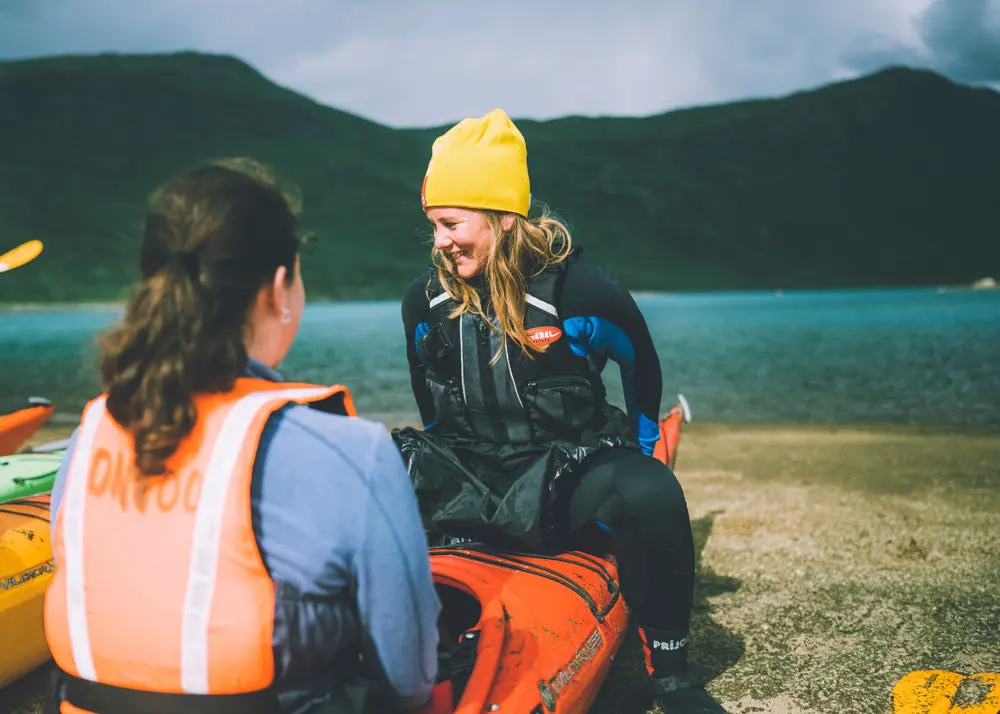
917, 356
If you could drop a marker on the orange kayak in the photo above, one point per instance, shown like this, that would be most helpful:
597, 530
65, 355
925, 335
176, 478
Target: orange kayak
525, 633
18, 426
670, 432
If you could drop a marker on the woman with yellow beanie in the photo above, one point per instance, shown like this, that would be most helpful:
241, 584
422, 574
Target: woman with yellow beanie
507, 333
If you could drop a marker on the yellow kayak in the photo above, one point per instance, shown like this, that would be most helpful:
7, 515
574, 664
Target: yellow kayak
939, 691
25, 574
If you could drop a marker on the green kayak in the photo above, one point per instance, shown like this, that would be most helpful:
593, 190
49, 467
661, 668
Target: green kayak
28, 474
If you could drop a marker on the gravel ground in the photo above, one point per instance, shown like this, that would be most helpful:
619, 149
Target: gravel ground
832, 562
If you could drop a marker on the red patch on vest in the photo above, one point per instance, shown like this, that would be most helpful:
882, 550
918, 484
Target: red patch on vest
544, 335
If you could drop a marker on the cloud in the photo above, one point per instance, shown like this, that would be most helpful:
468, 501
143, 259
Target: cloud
423, 62
958, 38
544, 60
964, 38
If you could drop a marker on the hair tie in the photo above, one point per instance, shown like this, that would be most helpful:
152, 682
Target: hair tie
188, 260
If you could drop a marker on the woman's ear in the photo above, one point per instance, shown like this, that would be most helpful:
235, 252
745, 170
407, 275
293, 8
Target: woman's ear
275, 296
507, 222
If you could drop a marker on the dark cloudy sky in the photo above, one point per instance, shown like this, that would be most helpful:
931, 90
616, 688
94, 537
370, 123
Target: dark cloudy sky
420, 62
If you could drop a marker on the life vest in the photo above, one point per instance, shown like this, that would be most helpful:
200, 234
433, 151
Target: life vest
552, 395
160, 600
510, 436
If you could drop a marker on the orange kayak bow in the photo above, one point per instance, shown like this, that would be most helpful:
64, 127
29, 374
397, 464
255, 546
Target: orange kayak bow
18, 426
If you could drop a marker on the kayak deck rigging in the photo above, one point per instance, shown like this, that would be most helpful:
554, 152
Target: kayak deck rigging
515, 560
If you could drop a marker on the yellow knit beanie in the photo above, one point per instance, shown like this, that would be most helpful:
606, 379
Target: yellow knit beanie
481, 163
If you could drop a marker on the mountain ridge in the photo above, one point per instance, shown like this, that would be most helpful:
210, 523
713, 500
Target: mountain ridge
879, 180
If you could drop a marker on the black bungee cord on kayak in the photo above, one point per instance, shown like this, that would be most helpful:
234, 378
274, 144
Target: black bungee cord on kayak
512, 560
27, 503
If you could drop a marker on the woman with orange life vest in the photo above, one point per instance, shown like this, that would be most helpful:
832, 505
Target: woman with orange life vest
224, 541
507, 334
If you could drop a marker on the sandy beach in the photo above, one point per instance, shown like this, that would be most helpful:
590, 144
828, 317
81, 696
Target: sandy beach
832, 562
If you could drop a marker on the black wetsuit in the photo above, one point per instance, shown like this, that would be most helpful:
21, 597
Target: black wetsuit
529, 450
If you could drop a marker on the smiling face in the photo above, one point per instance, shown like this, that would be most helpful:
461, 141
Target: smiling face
463, 235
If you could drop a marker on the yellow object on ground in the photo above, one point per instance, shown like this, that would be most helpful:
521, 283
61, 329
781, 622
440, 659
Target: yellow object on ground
25, 574
942, 692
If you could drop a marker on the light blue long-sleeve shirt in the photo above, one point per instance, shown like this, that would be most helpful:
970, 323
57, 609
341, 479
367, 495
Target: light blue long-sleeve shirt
336, 521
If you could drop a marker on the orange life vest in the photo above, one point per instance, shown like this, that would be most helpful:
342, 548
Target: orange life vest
164, 590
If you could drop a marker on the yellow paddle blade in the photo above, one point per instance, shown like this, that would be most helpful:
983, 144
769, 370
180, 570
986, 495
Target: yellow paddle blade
20, 255
942, 692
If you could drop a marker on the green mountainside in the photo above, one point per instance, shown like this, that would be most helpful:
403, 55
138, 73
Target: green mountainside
890, 179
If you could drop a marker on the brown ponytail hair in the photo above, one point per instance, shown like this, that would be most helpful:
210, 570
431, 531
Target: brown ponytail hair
213, 236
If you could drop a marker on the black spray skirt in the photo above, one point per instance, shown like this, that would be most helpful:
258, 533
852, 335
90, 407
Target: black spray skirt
504, 494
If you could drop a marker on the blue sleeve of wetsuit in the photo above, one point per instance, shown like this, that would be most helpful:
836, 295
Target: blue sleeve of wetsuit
418, 332
416, 314
603, 339
601, 319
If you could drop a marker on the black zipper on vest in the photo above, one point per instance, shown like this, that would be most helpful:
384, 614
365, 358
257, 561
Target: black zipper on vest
490, 398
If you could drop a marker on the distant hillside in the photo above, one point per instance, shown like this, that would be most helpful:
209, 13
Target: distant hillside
886, 180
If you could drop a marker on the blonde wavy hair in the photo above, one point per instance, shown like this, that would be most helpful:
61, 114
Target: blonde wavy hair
533, 243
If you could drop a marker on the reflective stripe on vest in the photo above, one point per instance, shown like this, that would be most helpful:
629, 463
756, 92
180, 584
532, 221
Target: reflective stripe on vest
200, 542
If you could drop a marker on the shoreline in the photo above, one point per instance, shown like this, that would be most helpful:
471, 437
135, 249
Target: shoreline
7, 307
942, 288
